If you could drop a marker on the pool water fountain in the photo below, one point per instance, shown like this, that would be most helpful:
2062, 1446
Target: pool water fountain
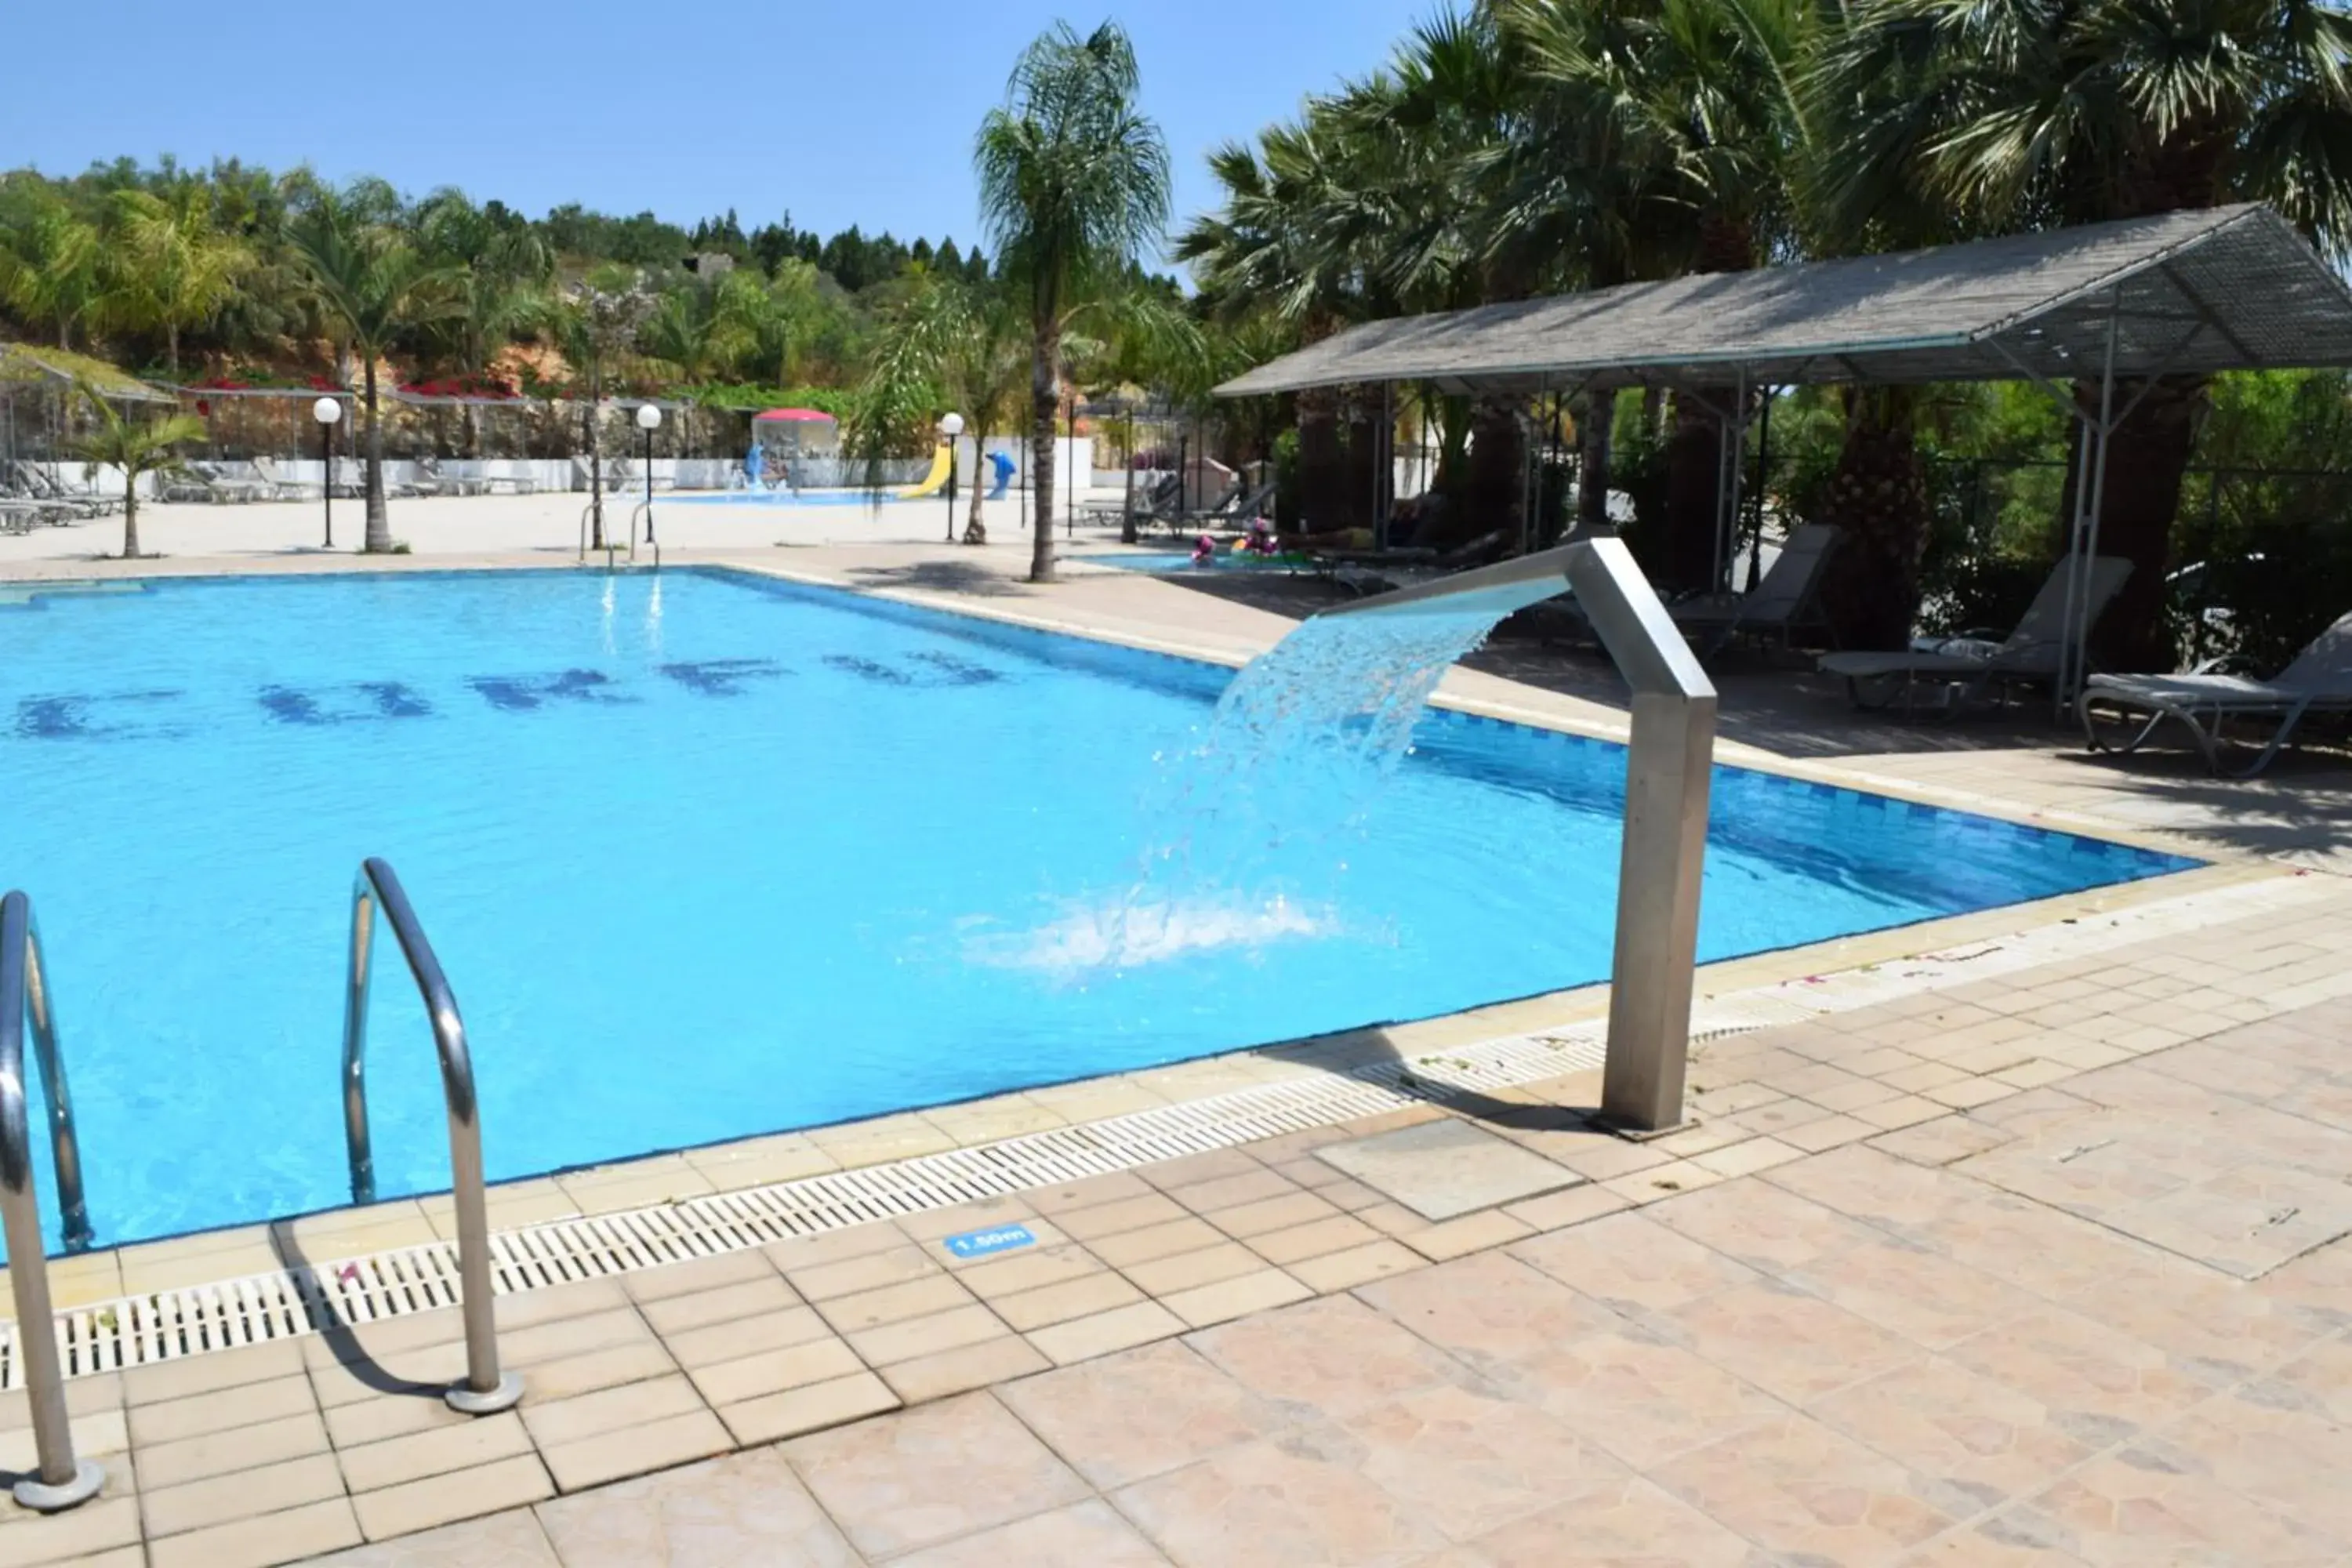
1310, 730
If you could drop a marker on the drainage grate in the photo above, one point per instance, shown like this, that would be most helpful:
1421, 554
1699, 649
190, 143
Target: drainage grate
141, 1329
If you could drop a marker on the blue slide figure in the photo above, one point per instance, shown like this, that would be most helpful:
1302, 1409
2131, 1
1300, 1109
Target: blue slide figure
1004, 467
754, 461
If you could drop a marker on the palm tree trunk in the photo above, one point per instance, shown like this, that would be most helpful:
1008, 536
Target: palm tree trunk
1322, 465
1044, 404
1363, 460
1128, 533
172, 347
1596, 413
1869, 588
1493, 483
595, 454
975, 531
131, 514
378, 540
1694, 463
2147, 456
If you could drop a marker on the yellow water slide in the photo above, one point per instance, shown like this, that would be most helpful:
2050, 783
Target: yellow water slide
942, 465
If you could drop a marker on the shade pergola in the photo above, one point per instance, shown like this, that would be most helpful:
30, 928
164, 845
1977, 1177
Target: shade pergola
2181, 293
43, 380
2189, 293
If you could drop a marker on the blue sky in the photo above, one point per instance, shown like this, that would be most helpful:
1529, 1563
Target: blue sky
845, 111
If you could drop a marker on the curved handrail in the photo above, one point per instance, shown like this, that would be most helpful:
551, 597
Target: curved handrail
60, 1480
609, 548
377, 887
25, 992
643, 508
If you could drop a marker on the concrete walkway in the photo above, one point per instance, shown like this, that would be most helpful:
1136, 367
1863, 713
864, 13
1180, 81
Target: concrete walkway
2002, 1273
1978, 1340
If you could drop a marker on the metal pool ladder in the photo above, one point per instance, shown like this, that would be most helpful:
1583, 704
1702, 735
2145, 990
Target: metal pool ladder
485, 1391
60, 1480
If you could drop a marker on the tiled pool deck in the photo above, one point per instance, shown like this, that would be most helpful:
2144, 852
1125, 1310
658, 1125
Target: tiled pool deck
2038, 1267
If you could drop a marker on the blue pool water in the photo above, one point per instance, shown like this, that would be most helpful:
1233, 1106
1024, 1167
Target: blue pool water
791, 497
1181, 561
707, 855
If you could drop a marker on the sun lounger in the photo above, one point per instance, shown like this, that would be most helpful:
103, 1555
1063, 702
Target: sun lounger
1958, 669
33, 482
1784, 601
2207, 698
1236, 510
18, 515
1367, 577
429, 479
514, 474
1156, 502
280, 487
196, 482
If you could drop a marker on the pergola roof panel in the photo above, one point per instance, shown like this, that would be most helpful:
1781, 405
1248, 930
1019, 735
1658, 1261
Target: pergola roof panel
2220, 288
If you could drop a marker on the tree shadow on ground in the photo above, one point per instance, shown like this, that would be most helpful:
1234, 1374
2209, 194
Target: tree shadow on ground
941, 577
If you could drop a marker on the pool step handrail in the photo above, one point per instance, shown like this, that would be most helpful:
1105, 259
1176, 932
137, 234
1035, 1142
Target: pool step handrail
58, 1480
610, 548
643, 511
377, 890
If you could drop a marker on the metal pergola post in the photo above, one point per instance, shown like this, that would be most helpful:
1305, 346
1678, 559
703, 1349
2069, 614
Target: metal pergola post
1384, 484
2070, 679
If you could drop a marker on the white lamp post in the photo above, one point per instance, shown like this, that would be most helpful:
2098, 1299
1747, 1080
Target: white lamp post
649, 421
329, 413
951, 426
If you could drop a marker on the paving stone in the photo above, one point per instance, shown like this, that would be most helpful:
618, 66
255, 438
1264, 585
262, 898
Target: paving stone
965, 1367
792, 1411
651, 1445
1082, 1339
283, 1537
217, 1500
1447, 1168
439, 1500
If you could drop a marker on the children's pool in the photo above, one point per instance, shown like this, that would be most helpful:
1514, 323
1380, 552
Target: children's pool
709, 855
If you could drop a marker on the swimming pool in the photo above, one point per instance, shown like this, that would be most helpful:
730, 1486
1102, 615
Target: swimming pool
1181, 561
710, 855
887, 496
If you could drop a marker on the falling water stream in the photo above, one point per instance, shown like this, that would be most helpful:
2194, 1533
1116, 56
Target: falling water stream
1250, 828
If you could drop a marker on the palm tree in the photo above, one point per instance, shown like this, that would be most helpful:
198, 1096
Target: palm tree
1699, 96
369, 286
1269, 249
783, 317
50, 269
602, 314
967, 344
1442, 125
173, 271
2044, 114
502, 269
1075, 183
694, 327
136, 448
